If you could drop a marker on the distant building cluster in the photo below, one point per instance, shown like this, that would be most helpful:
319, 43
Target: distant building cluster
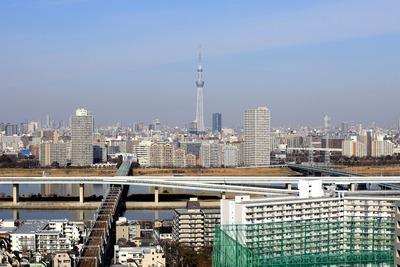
81, 144
350, 140
256, 145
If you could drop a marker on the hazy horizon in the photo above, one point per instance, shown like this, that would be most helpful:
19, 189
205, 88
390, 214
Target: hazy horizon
135, 61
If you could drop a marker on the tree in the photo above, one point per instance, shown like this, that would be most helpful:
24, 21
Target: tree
119, 161
135, 165
55, 165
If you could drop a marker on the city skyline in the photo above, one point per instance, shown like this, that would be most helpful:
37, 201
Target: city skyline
134, 62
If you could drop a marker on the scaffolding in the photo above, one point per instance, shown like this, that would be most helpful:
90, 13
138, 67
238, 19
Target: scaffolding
350, 242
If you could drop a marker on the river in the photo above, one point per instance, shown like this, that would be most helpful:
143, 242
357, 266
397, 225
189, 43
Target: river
64, 190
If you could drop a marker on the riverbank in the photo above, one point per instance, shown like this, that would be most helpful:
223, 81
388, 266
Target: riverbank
134, 201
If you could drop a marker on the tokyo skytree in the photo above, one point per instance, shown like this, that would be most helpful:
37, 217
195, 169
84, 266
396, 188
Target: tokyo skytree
199, 111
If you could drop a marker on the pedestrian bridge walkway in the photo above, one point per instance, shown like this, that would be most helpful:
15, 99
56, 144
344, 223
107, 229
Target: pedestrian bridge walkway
97, 241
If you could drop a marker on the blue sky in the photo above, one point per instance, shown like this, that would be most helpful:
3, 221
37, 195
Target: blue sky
134, 61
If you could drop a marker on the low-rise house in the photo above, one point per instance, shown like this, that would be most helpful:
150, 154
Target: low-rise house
62, 259
139, 256
127, 229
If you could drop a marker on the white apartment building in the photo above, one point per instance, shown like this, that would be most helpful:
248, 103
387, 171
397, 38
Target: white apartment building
52, 152
211, 155
290, 228
166, 155
257, 137
180, 158
52, 241
10, 143
243, 210
161, 155
352, 148
382, 148
142, 151
72, 229
139, 256
24, 238
190, 161
230, 155
81, 138
51, 236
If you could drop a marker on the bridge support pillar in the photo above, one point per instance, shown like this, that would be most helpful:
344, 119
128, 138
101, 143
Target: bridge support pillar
156, 194
352, 187
289, 186
156, 215
15, 193
15, 215
81, 193
223, 195
81, 215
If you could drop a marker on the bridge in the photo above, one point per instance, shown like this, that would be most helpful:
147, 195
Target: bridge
237, 184
315, 149
314, 170
97, 241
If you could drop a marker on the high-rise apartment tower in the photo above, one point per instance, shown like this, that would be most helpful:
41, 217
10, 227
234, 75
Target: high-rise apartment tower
257, 137
216, 122
327, 124
199, 111
81, 138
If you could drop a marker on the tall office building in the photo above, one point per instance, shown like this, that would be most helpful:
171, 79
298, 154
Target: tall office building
216, 122
199, 111
48, 121
327, 124
81, 138
345, 127
257, 137
156, 125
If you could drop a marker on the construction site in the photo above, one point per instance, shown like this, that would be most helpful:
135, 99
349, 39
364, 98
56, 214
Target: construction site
345, 242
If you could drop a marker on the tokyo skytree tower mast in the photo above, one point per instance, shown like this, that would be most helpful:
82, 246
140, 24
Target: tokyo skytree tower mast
199, 111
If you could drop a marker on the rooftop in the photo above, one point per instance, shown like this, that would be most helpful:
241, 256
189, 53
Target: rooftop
31, 227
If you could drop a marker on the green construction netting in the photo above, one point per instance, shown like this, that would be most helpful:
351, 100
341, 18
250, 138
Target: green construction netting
344, 242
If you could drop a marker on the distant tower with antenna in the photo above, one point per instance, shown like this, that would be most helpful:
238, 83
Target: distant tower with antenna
199, 110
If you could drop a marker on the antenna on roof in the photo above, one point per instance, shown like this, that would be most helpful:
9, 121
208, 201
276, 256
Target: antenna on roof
199, 53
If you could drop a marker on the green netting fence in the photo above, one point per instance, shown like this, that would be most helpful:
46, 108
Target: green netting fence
350, 242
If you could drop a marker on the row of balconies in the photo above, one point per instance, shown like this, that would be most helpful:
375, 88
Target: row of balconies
293, 206
368, 202
190, 230
188, 217
191, 236
191, 240
328, 213
190, 227
190, 221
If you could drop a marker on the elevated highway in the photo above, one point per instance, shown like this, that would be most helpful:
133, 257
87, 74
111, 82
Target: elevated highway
314, 170
196, 181
239, 184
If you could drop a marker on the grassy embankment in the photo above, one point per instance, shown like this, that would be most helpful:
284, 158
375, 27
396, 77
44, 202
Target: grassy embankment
56, 172
391, 170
